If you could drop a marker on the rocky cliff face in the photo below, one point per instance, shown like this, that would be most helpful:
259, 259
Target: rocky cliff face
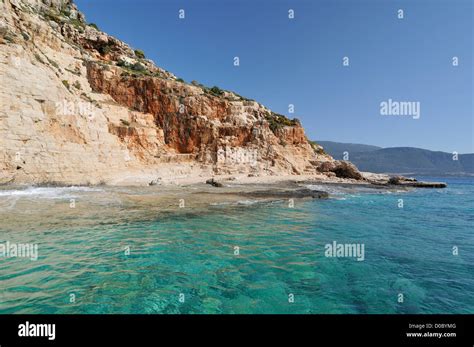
81, 107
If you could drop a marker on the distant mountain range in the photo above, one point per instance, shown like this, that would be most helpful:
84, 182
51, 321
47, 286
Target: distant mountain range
401, 160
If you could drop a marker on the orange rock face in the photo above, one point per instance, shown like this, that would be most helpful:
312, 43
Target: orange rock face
194, 121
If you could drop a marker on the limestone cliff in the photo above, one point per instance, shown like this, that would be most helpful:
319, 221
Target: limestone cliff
78, 106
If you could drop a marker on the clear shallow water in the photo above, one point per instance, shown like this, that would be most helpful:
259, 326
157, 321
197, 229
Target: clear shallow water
191, 251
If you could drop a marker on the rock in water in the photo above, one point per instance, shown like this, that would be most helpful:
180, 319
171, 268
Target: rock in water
214, 183
413, 182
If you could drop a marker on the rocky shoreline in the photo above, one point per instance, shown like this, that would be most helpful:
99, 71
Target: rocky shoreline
198, 196
288, 187
297, 188
376, 181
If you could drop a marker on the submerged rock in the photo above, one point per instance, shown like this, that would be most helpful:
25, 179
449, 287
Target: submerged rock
214, 183
286, 194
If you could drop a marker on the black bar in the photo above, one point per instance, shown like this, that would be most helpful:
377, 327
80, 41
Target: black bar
322, 330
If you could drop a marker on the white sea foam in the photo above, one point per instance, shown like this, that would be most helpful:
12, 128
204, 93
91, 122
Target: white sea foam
247, 202
220, 203
233, 203
47, 192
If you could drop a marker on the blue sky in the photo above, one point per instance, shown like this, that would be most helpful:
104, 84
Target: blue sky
299, 61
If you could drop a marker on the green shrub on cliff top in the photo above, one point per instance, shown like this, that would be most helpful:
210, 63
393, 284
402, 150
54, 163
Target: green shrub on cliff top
216, 91
278, 121
134, 70
93, 25
140, 54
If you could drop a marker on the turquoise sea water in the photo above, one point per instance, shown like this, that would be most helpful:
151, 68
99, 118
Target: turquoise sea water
191, 251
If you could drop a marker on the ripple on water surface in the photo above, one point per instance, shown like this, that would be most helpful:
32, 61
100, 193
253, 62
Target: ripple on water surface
133, 250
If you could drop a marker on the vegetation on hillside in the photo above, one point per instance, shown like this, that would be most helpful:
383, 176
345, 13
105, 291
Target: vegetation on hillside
93, 25
317, 148
140, 54
278, 121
